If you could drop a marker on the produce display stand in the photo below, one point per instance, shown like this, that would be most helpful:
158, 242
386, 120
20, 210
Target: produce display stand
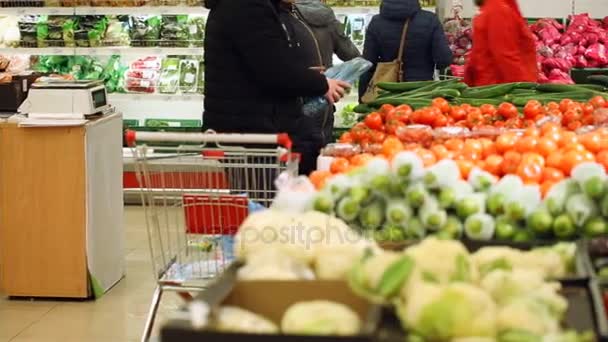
582, 314
61, 232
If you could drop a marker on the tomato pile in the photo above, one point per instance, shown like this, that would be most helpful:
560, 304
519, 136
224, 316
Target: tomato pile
539, 155
390, 120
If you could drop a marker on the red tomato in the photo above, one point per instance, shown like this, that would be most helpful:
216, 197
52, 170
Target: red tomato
598, 102
346, 138
552, 174
510, 163
488, 109
440, 121
458, 113
532, 109
374, 121
508, 110
475, 117
530, 173
378, 136
339, 165
565, 104
442, 104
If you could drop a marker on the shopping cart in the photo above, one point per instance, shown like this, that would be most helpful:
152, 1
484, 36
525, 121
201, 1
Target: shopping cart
195, 197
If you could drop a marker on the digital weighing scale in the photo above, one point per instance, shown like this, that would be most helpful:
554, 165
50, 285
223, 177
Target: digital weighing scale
62, 99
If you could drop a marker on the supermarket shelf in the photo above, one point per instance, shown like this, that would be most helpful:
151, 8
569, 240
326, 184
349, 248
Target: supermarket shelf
162, 97
162, 10
103, 10
36, 10
104, 51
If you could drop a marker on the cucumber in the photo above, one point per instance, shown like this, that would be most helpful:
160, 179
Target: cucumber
525, 85
598, 79
583, 95
363, 109
488, 91
441, 92
523, 92
480, 102
594, 87
559, 88
435, 85
397, 101
397, 87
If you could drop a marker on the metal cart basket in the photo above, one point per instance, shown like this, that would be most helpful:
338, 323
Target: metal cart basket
196, 195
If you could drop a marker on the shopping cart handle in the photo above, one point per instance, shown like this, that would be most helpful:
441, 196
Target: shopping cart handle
282, 139
130, 137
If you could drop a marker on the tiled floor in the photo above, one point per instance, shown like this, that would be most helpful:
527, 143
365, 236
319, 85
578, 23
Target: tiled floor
116, 317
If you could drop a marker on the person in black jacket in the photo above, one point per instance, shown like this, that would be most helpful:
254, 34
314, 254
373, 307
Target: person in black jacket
255, 78
427, 47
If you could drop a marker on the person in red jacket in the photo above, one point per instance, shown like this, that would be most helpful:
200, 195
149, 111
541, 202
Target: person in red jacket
503, 46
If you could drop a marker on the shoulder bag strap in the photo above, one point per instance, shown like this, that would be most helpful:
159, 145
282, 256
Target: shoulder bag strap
402, 47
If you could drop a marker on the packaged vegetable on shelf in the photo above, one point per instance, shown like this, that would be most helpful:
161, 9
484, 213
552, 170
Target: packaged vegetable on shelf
169, 76
188, 75
9, 32
147, 74
117, 33
201, 78
136, 85
90, 30
174, 31
144, 30
28, 29
150, 63
196, 30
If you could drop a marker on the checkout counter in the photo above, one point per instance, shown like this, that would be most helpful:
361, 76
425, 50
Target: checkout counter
61, 204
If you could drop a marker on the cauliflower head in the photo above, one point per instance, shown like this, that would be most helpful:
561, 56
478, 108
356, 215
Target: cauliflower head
320, 318
442, 261
442, 313
274, 264
528, 315
235, 319
504, 286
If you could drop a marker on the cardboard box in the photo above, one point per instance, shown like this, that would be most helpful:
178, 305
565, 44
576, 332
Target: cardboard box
271, 299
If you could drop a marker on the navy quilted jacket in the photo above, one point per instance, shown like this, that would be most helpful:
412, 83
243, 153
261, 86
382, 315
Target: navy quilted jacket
427, 47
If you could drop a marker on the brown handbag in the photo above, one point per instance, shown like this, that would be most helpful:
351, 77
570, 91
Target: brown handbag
387, 71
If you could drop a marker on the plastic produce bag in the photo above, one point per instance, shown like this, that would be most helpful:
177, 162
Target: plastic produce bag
348, 72
294, 194
597, 52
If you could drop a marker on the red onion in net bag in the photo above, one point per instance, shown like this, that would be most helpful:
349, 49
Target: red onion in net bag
597, 52
581, 62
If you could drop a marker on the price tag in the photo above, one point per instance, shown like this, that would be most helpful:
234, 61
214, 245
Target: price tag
53, 11
20, 11
92, 51
158, 51
57, 51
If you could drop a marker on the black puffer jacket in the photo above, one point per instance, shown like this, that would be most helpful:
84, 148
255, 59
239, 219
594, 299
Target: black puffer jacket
327, 30
427, 47
254, 82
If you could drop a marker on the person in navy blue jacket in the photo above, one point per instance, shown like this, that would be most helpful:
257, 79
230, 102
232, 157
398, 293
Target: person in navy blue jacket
427, 47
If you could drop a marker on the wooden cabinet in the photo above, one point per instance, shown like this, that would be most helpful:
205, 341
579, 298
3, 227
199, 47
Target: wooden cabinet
61, 209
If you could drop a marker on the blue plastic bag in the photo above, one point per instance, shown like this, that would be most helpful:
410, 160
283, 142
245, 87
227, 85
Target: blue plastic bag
348, 72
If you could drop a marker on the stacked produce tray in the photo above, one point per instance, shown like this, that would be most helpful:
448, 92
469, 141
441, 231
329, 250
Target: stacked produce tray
381, 324
596, 254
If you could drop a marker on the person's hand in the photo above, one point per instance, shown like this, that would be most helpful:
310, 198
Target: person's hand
336, 90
